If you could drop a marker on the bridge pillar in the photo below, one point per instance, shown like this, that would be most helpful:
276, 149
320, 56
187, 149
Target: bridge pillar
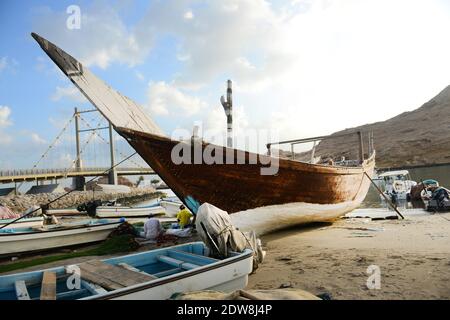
80, 183
112, 175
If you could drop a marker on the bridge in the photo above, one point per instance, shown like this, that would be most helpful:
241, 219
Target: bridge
78, 156
15, 176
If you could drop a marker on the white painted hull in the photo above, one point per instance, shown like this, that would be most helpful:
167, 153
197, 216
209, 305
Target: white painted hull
23, 223
226, 278
263, 220
65, 212
25, 242
128, 212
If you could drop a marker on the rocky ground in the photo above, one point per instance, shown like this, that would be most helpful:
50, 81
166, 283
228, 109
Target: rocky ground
20, 203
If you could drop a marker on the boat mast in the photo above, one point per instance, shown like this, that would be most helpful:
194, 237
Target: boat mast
228, 108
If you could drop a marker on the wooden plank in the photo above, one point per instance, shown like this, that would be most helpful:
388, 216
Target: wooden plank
118, 109
21, 290
90, 274
110, 276
48, 289
120, 275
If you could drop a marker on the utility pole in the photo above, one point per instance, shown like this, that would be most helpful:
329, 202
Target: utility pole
228, 108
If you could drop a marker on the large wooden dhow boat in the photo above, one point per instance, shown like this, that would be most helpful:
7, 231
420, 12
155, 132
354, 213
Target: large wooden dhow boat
295, 192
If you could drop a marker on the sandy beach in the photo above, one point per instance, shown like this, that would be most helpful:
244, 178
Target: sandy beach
413, 256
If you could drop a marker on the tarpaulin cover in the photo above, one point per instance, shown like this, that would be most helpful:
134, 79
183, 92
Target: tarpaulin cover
227, 238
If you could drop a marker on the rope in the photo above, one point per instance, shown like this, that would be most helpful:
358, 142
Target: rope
107, 142
83, 148
51, 145
67, 193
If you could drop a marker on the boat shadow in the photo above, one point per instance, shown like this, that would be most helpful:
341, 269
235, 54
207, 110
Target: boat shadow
294, 230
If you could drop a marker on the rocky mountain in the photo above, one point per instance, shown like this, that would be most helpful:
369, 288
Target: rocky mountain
418, 137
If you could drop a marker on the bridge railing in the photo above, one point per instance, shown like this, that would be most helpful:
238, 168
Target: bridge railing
25, 172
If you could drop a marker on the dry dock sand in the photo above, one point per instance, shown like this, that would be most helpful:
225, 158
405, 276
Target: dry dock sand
413, 256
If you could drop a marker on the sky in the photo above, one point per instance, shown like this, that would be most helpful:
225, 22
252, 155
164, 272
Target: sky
299, 68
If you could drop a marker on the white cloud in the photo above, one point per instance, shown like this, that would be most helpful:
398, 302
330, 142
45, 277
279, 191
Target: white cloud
139, 75
5, 113
70, 92
165, 99
37, 139
102, 39
3, 63
306, 67
188, 15
5, 121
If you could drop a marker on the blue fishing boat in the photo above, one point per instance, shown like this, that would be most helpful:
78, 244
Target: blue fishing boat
156, 274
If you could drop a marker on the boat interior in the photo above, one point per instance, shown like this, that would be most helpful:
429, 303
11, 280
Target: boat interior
67, 225
98, 277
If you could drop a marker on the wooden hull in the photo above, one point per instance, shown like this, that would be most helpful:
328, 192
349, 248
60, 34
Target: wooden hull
310, 191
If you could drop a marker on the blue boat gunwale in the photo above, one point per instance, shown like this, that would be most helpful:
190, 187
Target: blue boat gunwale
141, 286
5, 234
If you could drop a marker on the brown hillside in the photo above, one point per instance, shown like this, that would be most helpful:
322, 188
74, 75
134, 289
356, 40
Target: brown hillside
419, 137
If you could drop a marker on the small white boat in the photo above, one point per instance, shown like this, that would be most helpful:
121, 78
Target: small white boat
397, 184
171, 205
128, 212
151, 275
17, 240
23, 223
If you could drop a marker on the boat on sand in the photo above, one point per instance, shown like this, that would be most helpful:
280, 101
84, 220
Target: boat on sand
19, 240
261, 192
151, 275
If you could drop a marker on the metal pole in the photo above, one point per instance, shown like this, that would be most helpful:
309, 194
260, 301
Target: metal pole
79, 181
292, 151
77, 139
228, 107
112, 177
361, 147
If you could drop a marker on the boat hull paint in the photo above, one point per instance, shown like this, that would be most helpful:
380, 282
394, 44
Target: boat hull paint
127, 212
309, 192
272, 218
36, 241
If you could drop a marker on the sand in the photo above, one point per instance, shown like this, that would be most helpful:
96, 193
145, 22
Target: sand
413, 256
